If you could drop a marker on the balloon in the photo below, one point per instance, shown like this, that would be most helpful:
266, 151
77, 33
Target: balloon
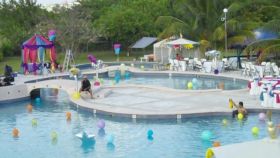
34, 122
262, 116
190, 85
142, 67
101, 81
117, 79
37, 100
96, 83
68, 116
101, 124
194, 81
92, 58
209, 153
216, 144
110, 139
15, 133
230, 104
150, 132
54, 136
225, 122
216, 71
29, 108
206, 135
127, 75
74, 71
76, 95
240, 116
255, 130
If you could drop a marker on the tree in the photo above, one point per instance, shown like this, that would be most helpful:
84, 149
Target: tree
128, 21
17, 20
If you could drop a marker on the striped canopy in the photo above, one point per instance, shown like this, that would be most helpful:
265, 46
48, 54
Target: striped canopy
36, 42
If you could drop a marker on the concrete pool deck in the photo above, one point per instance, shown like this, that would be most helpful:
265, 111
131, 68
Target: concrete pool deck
138, 101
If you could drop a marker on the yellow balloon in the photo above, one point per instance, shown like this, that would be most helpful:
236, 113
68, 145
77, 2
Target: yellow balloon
34, 122
76, 95
190, 85
225, 122
230, 104
240, 116
54, 135
74, 71
209, 153
255, 130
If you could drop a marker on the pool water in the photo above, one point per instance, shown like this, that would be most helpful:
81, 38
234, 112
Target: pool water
179, 82
172, 138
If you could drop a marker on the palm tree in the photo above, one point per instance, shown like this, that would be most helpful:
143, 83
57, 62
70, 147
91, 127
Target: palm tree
200, 20
268, 46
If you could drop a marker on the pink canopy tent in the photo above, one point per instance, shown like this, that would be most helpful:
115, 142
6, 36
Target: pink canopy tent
34, 50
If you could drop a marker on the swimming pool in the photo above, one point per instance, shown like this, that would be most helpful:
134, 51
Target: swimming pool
178, 81
172, 138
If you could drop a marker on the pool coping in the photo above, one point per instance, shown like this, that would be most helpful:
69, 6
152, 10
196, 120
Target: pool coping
135, 115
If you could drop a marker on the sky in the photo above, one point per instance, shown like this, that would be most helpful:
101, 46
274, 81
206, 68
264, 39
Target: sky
47, 2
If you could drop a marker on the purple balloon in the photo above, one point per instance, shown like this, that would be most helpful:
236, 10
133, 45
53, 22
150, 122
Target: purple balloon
92, 58
262, 116
101, 124
117, 45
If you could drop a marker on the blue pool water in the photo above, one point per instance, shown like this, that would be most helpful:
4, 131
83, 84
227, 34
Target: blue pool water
180, 82
172, 138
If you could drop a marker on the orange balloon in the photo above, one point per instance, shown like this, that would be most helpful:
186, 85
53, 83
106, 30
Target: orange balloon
15, 132
29, 108
216, 144
68, 115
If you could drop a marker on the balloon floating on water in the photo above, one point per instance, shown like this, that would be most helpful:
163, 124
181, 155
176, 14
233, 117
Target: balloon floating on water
150, 134
54, 136
190, 85
255, 130
225, 122
29, 108
101, 124
110, 139
34, 122
68, 116
194, 81
206, 135
15, 133
240, 116
262, 116
37, 100
216, 144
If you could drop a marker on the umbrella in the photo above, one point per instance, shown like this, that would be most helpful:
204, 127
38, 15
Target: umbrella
181, 41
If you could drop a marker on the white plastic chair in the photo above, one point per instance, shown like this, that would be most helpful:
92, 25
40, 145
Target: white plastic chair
275, 70
267, 69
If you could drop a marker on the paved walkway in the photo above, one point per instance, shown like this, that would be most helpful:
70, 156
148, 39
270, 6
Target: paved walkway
139, 101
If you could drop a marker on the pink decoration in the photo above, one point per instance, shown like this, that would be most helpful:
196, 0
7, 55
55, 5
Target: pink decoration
277, 98
96, 83
249, 84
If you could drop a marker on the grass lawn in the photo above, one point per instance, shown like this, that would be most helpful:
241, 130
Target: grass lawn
15, 62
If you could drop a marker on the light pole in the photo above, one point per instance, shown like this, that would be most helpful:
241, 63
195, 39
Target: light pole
225, 19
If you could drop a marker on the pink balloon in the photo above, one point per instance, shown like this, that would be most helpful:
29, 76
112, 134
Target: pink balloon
262, 116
